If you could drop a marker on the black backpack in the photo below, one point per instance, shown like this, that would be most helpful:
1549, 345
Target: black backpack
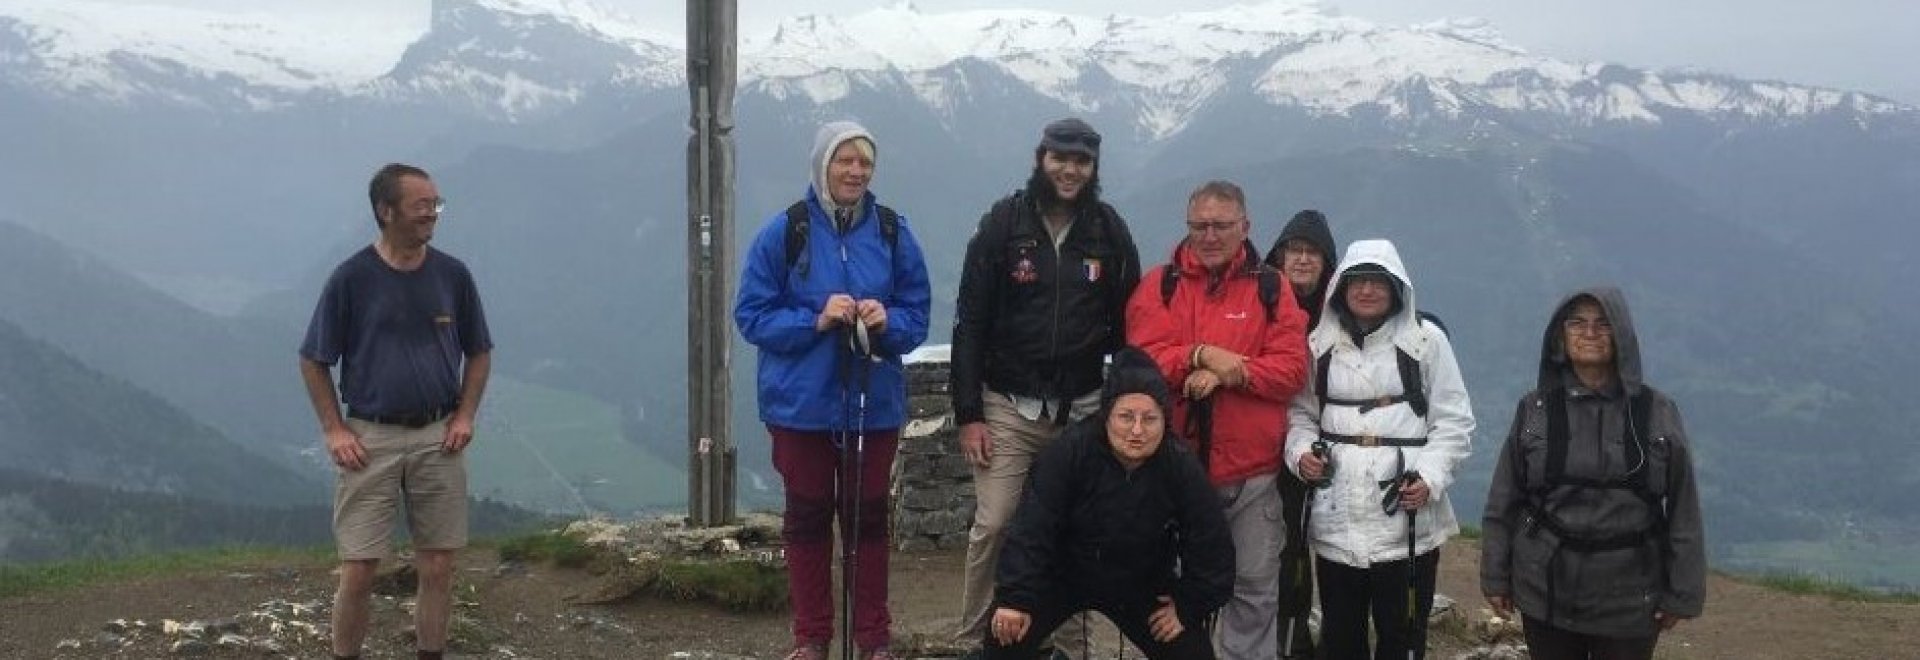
799, 221
1269, 286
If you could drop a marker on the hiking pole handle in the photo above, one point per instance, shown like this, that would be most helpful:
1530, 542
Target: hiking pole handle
1324, 452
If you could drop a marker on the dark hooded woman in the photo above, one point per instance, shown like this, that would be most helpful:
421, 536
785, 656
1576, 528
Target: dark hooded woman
1112, 508
1304, 254
1593, 527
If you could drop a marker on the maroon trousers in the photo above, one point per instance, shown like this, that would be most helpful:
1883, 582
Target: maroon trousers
818, 468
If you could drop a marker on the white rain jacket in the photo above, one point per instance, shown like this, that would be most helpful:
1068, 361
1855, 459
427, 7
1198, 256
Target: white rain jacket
1348, 525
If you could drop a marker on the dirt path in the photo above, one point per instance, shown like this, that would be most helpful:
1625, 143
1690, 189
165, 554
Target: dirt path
522, 612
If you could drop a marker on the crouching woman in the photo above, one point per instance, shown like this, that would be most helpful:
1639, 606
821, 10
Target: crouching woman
1119, 519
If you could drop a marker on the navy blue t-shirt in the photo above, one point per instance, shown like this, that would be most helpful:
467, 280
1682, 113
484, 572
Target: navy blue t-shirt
400, 336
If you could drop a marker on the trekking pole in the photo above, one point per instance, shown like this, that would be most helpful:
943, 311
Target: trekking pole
1303, 572
841, 504
850, 567
1413, 579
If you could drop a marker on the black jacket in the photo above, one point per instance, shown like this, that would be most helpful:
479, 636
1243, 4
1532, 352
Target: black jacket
1088, 528
1034, 321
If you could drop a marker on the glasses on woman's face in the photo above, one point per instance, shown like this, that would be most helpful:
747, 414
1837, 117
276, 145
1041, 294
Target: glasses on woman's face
1586, 325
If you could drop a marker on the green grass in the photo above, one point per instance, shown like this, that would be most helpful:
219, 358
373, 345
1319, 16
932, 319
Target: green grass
1814, 585
38, 578
1470, 532
553, 450
741, 586
26, 579
1837, 561
554, 547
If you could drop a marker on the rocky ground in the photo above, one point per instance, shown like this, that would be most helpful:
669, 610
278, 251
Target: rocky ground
512, 609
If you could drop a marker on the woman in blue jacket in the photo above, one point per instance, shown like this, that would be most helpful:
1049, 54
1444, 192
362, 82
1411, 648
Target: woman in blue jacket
834, 291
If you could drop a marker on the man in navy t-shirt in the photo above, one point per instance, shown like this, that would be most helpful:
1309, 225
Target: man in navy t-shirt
404, 323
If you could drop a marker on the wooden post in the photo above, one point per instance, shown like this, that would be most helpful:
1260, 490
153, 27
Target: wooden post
711, 49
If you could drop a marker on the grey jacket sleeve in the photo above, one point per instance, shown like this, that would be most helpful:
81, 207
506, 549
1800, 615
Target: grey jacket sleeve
1686, 590
1505, 501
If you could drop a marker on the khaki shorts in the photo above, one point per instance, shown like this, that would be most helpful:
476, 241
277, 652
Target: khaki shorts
402, 464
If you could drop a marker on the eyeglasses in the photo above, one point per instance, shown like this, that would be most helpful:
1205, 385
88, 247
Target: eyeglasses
1222, 227
435, 206
1368, 281
1581, 326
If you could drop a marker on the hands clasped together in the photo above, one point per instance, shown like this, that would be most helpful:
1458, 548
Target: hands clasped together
842, 309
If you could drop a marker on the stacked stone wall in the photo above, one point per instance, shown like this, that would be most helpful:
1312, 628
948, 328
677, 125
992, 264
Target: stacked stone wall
932, 482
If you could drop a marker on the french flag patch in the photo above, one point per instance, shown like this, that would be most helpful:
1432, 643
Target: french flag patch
1092, 266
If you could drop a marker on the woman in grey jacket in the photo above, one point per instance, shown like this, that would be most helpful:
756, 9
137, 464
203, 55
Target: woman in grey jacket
1592, 526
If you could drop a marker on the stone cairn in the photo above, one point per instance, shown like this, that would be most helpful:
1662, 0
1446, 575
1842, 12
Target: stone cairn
932, 482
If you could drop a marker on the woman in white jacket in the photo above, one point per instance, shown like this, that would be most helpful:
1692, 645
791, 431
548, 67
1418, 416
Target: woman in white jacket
1380, 430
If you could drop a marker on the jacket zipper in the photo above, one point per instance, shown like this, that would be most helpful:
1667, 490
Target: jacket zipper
1053, 342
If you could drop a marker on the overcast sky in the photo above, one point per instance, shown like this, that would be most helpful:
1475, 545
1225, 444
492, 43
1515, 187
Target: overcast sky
1868, 45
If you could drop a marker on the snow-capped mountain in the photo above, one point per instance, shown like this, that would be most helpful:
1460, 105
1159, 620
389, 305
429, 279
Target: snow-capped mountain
128, 53
523, 60
1286, 52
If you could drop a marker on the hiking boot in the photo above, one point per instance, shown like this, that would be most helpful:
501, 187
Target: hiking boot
807, 652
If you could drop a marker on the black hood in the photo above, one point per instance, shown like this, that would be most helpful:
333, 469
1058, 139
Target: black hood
1626, 345
1311, 226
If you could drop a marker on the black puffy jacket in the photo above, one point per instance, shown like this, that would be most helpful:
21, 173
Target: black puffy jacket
1088, 527
1035, 321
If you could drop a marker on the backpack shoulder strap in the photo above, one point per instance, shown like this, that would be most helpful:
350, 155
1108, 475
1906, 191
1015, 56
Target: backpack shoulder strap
1434, 319
1320, 367
1007, 212
889, 225
1169, 280
1413, 387
798, 224
1269, 289
1639, 417
1556, 468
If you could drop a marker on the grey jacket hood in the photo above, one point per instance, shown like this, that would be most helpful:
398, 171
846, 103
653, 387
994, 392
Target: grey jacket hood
1626, 345
825, 141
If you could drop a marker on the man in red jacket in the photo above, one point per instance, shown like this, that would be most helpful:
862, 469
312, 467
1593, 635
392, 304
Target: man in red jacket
1227, 334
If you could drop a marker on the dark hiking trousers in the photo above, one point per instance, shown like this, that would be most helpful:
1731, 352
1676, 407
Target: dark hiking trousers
1546, 642
1348, 596
1194, 643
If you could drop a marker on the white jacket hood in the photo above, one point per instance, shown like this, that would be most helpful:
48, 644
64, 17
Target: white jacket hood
1404, 323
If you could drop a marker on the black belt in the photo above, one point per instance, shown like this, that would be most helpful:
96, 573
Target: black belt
412, 420
1373, 440
1367, 405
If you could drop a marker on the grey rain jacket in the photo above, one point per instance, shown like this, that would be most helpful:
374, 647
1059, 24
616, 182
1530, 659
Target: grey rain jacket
1612, 590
